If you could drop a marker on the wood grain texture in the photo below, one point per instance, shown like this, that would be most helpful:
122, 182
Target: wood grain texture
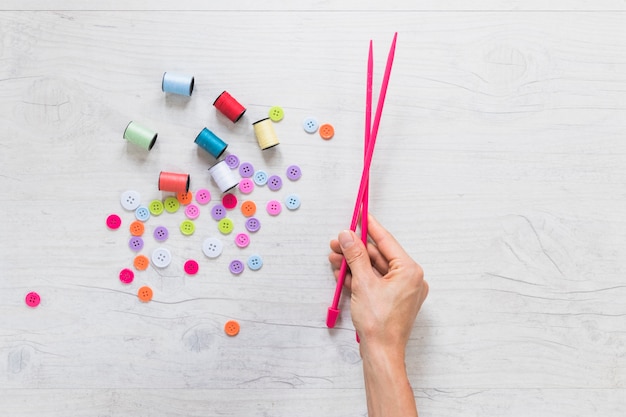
500, 166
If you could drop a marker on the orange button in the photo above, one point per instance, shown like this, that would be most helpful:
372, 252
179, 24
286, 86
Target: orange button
144, 294
136, 228
327, 131
141, 262
231, 328
248, 208
184, 198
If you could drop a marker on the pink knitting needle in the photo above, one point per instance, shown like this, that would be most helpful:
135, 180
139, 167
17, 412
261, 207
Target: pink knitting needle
333, 310
368, 131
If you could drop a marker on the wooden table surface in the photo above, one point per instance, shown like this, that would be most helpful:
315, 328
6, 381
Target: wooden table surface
500, 165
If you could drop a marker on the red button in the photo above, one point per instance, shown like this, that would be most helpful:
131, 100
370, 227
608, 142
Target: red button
191, 267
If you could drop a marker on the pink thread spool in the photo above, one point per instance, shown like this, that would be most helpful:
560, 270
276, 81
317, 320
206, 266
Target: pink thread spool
172, 181
229, 107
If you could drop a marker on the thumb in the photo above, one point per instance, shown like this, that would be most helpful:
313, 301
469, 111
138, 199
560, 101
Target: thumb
355, 253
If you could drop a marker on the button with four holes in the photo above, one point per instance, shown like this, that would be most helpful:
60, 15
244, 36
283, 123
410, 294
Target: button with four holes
231, 328
260, 178
32, 299
225, 226
184, 198
242, 240
191, 267
292, 201
203, 196
274, 183
253, 225
236, 267
229, 201
212, 247
161, 234
310, 125
161, 257
246, 170
276, 114
130, 200
246, 185
171, 204
135, 243
187, 227
141, 262
248, 208
294, 172
255, 262
136, 228
114, 221
274, 208
218, 212
192, 211
327, 131
232, 161
142, 213
156, 207
144, 294
127, 276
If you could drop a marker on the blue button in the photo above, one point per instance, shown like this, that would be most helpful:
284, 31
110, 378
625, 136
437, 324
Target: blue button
292, 201
260, 178
142, 213
310, 125
255, 262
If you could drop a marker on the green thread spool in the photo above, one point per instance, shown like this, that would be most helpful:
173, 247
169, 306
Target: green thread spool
140, 135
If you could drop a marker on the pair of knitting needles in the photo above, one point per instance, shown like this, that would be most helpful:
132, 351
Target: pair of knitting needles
361, 204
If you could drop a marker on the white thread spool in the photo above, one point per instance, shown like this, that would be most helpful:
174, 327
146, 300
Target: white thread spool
265, 134
223, 176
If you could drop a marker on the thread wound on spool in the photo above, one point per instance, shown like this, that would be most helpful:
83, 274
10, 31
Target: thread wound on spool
177, 83
229, 107
140, 135
223, 176
209, 141
265, 134
175, 182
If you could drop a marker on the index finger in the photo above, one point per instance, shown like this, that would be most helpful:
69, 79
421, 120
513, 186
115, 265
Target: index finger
385, 242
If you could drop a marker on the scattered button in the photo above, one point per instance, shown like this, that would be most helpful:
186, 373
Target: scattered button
327, 131
225, 226
292, 202
156, 207
310, 125
218, 212
32, 299
144, 294
255, 262
161, 257
236, 267
184, 198
242, 240
274, 183
246, 170
127, 276
260, 178
191, 267
141, 262
246, 185
253, 225
187, 227
135, 243
231, 328
203, 196
130, 200
274, 208
229, 201
212, 247
171, 204
294, 172
192, 211
161, 234
136, 228
114, 221
232, 161
142, 213
248, 208
276, 114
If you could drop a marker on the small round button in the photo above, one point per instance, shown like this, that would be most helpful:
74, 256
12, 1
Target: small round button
127, 276
253, 225
276, 114
184, 198
203, 196
274, 208
242, 240
114, 221
327, 131
161, 234
191, 267
310, 125
141, 262
135, 243
231, 328
292, 202
212, 247
136, 228
161, 257
274, 183
246, 186
255, 262
260, 178
229, 201
218, 212
32, 299
225, 226
156, 207
171, 204
294, 172
130, 200
144, 294
248, 208
236, 267
187, 227
142, 213
246, 170
232, 161
192, 211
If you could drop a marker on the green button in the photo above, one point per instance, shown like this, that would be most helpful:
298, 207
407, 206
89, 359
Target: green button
277, 114
156, 207
225, 226
187, 227
171, 204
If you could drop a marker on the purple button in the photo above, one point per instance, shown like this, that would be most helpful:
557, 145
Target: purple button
274, 208
203, 196
218, 212
242, 240
294, 172
253, 224
274, 183
246, 170
232, 161
236, 267
161, 234
135, 243
192, 211
246, 185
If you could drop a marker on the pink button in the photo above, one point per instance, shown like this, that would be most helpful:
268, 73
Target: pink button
114, 221
192, 211
127, 276
191, 267
229, 201
203, 196
242, 240
246, 185
274, 208
32, 299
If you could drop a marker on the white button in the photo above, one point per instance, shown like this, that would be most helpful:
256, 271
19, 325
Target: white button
161, 257
130, 200
212, 247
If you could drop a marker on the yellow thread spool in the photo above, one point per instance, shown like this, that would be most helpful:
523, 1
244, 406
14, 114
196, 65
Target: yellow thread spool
265, 134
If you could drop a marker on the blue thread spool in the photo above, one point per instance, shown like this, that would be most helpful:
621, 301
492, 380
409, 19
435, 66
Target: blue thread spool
177, 83
208, 141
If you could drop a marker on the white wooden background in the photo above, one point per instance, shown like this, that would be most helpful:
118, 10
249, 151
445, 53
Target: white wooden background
500, 165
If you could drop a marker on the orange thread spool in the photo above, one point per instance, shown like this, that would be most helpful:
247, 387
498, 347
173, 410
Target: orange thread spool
172, 181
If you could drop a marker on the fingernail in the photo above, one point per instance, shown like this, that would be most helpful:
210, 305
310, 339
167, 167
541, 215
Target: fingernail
345, 239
